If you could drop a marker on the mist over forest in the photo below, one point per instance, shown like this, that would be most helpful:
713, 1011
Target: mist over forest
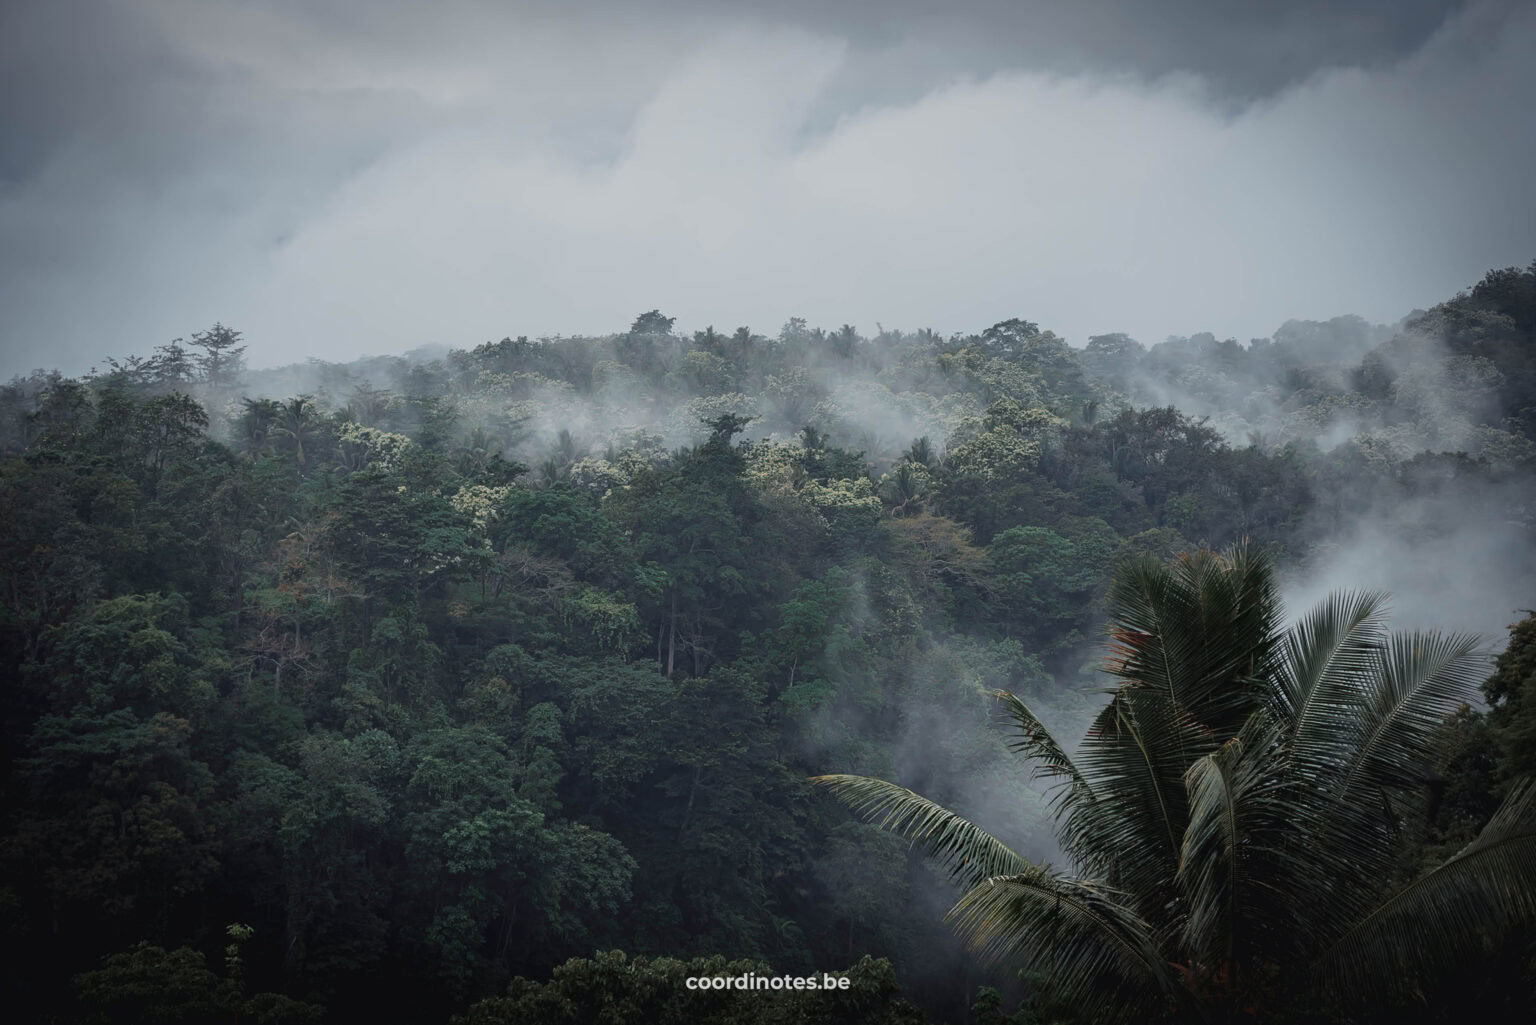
995, 512
422, 686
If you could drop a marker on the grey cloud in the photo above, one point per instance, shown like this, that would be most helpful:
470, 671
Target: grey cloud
1250, 48
347, 178
1246, 50
100, 67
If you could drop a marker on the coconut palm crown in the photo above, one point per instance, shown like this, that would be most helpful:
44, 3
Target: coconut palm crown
1236, 811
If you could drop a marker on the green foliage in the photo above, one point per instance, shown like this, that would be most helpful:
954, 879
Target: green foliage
312, 651
1049, 584
148, 984
1511, 693
1237, 810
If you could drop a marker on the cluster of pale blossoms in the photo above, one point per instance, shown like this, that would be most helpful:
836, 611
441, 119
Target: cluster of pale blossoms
479, 502
369, 446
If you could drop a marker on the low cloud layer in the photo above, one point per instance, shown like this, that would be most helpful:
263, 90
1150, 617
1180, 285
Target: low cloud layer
337, 184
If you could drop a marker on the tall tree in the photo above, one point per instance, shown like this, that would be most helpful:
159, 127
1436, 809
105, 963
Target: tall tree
223, 356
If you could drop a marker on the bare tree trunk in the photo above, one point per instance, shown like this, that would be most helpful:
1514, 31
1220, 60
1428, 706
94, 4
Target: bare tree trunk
239, 587
293, 928
693, 791
672, 637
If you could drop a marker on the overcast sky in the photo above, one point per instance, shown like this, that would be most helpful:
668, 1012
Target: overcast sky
369, 176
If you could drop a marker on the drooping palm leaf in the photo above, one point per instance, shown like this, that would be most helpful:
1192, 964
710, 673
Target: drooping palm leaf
1084, 827
1095, 951
1232, 877
1484, 889
1210, 869
970, 853
1136, 753
1110, 961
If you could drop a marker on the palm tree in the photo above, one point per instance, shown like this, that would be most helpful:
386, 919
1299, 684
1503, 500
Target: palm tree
921, 452
1236, 810
257, 423
477, 453
298, 420
904, 490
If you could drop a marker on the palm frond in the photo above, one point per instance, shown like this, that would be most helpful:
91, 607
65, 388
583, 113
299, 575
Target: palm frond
1369, 740
970, 853
1035, 742
1463, 905
1202, 630
1382, 729
1425, 679
1083, 829
1209, 869
1137, 752
1337, 642
1093, 948
1233, 864
1378, 728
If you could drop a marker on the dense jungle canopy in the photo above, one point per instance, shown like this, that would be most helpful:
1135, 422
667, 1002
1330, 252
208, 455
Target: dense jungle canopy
487, 684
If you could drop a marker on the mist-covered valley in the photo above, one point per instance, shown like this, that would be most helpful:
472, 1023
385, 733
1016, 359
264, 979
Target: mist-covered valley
391, 686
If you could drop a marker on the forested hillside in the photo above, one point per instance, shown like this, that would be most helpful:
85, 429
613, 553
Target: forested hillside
349, 692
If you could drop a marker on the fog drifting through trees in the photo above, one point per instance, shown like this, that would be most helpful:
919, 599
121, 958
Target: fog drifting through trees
343, 687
